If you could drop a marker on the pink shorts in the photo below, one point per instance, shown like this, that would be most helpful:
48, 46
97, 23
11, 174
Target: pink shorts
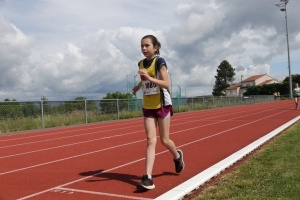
164, 112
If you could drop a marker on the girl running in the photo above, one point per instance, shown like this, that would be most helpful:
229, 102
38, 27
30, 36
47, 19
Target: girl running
296, 92
157, 106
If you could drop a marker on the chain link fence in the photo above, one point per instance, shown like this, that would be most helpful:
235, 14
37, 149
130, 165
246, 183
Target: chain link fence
20, 116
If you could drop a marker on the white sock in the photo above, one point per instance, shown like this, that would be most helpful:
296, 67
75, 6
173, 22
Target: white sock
149, 176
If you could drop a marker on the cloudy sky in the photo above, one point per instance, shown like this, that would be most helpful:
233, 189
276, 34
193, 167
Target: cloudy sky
62, 49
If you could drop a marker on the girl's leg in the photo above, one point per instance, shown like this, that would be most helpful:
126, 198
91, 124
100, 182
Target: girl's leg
164, 131
150, 128
296, 101
297, 104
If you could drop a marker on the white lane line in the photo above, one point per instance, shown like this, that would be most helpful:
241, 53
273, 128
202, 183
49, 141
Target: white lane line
81, 135
68, 158
72, 144
68, 131
84, 178
69, 183
103, 194
220, 121
118, 129
115, 124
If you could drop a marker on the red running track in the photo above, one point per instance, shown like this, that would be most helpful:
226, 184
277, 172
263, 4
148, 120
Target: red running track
106, 160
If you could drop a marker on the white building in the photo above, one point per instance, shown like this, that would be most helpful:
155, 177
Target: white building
258, 80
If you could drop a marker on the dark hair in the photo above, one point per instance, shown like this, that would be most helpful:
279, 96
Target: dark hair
155, 42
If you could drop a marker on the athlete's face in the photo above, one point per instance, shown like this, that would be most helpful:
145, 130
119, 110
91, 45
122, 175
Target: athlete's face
147, 48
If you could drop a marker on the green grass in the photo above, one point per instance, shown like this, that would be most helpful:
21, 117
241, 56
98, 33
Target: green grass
271, 173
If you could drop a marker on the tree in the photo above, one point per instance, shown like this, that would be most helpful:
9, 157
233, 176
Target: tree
110, 106
224, 78
295, 79
10, 109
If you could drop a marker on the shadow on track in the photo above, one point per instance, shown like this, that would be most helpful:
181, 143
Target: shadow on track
101, 175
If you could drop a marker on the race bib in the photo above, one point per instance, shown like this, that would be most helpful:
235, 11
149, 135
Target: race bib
150, 88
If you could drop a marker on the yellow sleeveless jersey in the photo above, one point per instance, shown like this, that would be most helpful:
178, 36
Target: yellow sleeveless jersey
151, 101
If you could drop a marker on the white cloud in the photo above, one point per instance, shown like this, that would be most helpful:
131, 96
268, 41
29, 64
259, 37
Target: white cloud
14, 51
298, 37
65, 49
252, 70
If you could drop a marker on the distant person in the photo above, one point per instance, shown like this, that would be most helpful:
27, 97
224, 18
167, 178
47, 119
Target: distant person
275, 96
296, 92
157, 107
278, 95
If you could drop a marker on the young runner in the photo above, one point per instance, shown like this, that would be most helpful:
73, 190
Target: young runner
157, 107
296, 92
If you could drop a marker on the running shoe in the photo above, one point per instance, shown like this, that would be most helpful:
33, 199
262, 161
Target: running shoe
146, 183
179, 164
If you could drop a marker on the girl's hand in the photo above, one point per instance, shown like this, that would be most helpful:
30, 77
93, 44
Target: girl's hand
144, 75
136, 88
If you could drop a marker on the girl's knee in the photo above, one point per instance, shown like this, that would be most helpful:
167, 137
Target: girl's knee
151, 140
165, 141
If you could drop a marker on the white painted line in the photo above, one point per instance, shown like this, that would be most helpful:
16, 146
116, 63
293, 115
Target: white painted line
188, 186
103, 194
67, 145
42, 132
63, 159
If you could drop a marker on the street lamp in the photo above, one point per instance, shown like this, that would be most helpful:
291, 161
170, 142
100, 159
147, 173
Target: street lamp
179, 90
127, 83
282, 7
184, 90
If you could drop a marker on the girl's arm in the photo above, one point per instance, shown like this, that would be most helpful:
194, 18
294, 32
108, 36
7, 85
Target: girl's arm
163, 82
136, 88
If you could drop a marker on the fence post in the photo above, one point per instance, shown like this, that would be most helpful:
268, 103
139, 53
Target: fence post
178, 104
118, 109
85, 111
221, 102
42, 113
192, 103
235, 100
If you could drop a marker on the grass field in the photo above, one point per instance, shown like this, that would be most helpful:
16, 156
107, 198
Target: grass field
273, 172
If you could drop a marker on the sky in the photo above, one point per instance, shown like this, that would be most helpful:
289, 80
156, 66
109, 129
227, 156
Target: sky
63, 49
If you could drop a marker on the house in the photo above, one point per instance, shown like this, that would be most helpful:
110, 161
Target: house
258, 80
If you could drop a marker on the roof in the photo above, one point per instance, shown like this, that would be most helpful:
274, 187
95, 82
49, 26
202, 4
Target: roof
265, 82
253, 78
233, 87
